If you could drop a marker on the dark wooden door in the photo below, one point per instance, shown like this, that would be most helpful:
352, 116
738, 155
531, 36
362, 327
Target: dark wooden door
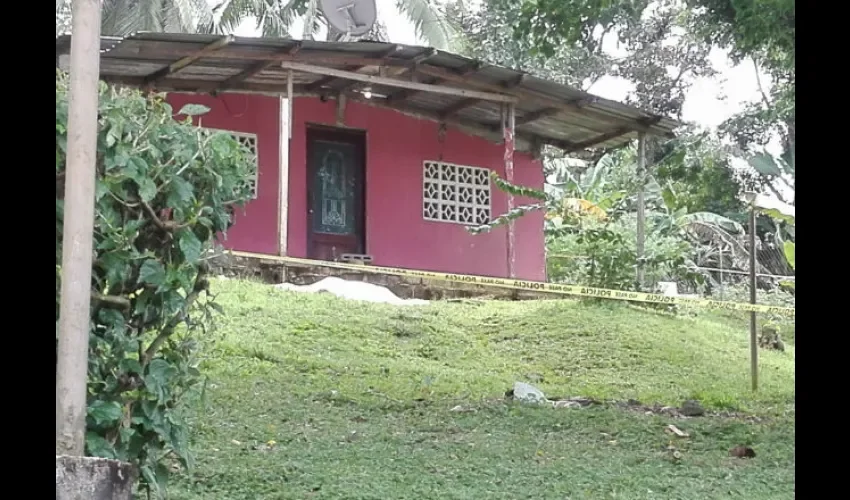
335, 193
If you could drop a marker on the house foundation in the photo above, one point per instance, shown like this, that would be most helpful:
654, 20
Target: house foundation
274, 272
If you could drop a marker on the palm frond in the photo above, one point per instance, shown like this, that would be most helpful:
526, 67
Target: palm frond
185, 16
273, 17
427, 20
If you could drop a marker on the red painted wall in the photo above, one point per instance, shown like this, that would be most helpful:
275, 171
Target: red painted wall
396, 233
255, 227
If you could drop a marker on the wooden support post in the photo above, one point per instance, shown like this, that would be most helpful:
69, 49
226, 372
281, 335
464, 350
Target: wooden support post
286, 104
509, 119
641, 209
290, 94
340, 109
78, 227
754, 347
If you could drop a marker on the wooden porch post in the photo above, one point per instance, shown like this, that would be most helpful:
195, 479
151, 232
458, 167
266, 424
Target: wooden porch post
285, 136
78, 228
508, 131
641, 209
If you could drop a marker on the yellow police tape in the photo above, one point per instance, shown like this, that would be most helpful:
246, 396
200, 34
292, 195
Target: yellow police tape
534, 286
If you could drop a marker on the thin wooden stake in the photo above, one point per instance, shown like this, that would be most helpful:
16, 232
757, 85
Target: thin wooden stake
78, 227
754, 348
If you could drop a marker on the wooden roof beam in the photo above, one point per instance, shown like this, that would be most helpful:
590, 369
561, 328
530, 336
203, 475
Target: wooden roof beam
465, 103
327, 80
453, 109
407, 94
447, 75
576, 107
411, 64
599, 139
613, 134
393, 82
188, 60
158, 52
535, 115
255, 69
491, 132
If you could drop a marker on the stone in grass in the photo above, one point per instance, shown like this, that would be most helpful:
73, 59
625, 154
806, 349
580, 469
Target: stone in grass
692, 408
527, 393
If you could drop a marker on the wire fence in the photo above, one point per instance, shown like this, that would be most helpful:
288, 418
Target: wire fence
724, 267
719, 270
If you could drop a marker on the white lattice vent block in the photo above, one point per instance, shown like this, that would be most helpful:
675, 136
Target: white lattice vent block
250, 142
455, 193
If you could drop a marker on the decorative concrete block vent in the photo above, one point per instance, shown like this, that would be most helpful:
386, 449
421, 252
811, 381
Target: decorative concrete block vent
455, 193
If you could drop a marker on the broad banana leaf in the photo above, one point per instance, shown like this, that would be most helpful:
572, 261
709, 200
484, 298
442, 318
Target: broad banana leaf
579, 207
788, 246
765, 164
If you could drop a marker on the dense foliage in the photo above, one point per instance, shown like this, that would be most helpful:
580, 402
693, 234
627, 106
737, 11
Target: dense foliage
659, 56
273, 18
757, 32
163, 192
605, 255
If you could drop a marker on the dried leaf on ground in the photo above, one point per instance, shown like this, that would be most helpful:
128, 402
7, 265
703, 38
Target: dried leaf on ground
672, 429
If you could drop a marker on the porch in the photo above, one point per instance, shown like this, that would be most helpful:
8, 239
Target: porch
312, 99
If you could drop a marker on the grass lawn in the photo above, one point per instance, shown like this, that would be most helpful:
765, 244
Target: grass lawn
311, 396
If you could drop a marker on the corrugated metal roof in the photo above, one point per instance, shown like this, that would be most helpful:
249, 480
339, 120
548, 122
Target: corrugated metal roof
546, 112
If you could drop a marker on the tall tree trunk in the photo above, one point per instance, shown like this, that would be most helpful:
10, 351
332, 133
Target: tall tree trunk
75, 298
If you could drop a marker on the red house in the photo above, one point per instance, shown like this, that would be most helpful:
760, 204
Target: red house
375, 148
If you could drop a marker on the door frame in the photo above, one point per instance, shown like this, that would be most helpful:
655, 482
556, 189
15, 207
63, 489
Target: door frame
357, 138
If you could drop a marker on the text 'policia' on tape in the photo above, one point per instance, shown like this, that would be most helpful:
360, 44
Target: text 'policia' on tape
534, 286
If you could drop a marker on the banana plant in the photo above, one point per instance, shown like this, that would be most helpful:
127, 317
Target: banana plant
705, 229
586, 196
778, 170
784, 216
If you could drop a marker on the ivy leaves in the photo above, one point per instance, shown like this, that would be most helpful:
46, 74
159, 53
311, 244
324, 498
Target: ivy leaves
164, 190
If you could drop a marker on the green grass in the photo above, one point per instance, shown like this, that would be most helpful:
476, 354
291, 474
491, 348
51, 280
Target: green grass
358, 399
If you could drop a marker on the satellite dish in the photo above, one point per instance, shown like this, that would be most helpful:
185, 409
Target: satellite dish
352, 17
